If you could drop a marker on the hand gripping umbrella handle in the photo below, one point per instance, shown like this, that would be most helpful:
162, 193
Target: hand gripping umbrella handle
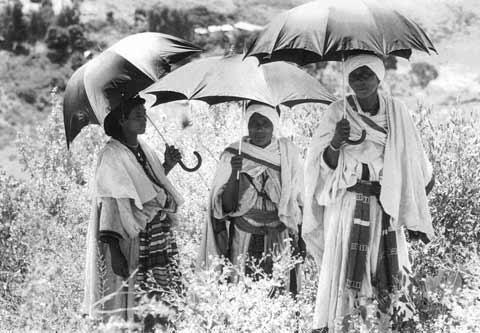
196, 167
184, 167
359, 141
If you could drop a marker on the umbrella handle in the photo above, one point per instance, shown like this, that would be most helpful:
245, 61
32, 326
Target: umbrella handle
196, 167
359, 141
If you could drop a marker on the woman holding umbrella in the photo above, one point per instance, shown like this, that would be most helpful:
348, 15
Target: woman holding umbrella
264, 208
358, 197
135, 206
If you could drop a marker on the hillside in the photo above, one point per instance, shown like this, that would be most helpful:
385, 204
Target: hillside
26, 79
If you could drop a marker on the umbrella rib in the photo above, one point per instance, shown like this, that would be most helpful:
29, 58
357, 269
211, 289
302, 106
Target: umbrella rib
277, 38
377, 29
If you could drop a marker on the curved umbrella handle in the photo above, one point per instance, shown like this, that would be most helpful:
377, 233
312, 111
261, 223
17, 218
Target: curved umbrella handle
196, 167
359, 141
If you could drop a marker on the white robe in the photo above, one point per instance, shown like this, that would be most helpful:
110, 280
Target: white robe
329, 207
124, 201
284, 189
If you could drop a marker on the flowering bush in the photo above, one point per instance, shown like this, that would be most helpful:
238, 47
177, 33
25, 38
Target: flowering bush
44, 220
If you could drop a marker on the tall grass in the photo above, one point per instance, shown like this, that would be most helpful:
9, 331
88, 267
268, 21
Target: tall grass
44, 220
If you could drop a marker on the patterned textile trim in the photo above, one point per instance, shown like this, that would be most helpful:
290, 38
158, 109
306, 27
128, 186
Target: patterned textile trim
387, 277
104, 235
257, 228
158, 256
387, 273
359, 239
265, 217
320, 330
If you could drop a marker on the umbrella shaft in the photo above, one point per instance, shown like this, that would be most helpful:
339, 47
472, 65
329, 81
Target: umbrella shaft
344, 88
156, 128
244, 107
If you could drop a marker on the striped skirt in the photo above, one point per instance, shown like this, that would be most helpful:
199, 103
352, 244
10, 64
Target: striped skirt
158, 257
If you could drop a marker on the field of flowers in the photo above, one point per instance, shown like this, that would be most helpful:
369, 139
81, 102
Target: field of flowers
43, 223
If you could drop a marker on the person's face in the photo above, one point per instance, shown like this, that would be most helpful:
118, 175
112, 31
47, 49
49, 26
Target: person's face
136, 121
260, 130
363, 82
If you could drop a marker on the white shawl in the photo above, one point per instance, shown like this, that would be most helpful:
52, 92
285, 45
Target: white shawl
406, 173
118, 175
289, 196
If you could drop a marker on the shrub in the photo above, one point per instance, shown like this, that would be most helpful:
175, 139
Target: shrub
202, 16
110, 17
77, 39
423, 73
13, 25
170, 21
68, 16
47, 216
76, 60
57, 38
29, 95
40, 21
58, 41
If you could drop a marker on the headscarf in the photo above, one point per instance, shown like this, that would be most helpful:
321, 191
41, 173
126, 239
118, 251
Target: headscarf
371, 61
264, 110
111, 124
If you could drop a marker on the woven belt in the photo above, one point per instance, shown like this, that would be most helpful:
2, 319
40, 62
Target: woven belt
367, 188
257, 228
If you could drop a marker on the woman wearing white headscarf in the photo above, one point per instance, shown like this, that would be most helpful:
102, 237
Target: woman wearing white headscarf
255, 215
360, 198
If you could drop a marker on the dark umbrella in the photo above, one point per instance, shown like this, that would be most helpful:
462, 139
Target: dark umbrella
223, 79
217, 80
335, 29
118, 73
229, 78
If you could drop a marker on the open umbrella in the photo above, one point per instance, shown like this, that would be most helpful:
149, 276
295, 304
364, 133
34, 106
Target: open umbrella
335, 29
119, 73
223, 79
231, 78
217, 80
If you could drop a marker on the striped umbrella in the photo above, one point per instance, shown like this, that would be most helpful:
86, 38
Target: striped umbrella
119, 73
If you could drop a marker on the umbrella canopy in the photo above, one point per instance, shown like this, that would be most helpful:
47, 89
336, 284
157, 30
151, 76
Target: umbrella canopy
332, 29
222, 79
118, 73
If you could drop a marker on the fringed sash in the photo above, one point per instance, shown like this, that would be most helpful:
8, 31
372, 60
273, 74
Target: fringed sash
387, 264
359, 239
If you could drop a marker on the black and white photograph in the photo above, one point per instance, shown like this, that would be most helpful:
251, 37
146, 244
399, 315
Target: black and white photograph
250, 166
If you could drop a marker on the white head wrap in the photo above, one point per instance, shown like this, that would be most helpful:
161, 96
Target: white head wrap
371, 61
266, 111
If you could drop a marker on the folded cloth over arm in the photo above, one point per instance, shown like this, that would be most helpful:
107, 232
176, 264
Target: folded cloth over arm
406, 173
124, 201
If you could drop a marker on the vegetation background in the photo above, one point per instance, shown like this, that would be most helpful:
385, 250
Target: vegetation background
44, 198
